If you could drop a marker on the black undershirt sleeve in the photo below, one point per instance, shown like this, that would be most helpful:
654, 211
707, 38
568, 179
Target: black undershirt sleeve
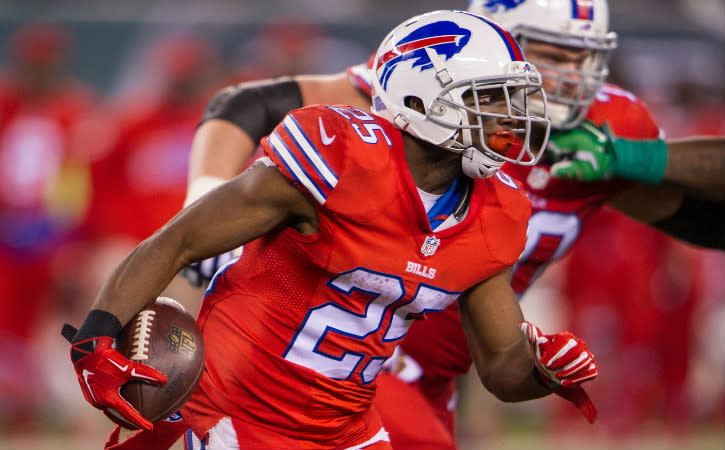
697, 222
255, 107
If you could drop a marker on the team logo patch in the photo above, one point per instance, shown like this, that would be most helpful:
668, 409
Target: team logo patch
493, 5
582, 9
430, 245
182, 341
445, 38
175, 417
538, 178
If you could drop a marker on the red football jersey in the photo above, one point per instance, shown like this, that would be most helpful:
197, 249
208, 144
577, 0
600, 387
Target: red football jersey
298, 329
141, 183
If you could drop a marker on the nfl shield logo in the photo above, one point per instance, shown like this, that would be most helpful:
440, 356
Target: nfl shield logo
430, 245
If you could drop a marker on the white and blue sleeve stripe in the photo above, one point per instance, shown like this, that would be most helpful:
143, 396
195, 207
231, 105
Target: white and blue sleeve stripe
308, 149
293, 166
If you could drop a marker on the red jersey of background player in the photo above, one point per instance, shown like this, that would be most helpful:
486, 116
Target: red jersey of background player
141, 182
559, 208
310, 319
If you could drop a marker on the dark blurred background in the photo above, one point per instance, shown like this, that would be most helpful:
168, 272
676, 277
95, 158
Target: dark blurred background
98, 104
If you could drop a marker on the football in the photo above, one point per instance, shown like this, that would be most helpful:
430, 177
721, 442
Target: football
165, 337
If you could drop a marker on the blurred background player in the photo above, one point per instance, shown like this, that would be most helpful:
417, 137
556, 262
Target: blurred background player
43, 201
145, 169
139, 180
286, 337
662, 275
664, 279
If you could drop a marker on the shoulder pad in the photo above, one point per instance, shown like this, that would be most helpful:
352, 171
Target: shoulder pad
627, 116
316, 144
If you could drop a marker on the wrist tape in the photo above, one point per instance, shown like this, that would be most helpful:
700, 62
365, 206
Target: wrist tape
98, 323
550, 385
642, 161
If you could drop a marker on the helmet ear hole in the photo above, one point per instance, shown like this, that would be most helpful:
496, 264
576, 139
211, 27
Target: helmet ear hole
414, 103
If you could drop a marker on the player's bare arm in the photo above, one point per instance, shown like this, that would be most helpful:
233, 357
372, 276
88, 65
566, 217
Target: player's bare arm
490, 316
231, 215
333, 89
515, 366
697, 165
649, 204
681, 188
251, 204
695, 174
219, 149
669, 209
677, 211
694, 164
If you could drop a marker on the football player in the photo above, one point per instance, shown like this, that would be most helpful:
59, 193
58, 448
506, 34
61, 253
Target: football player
44, 168
232, 126
605, 132
356, 225
238, 116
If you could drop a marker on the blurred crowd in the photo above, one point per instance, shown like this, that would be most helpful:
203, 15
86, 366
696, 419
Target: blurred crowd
87, 176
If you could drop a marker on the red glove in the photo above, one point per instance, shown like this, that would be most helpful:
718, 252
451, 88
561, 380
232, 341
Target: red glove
102, 371
563, 362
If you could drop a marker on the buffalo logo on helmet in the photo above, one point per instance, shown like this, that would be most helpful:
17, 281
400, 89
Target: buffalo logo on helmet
493, 5
445, 38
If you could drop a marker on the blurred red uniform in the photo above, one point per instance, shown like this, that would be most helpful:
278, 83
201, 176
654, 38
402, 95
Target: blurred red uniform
141, 183
637, 299
296, 335
42, 195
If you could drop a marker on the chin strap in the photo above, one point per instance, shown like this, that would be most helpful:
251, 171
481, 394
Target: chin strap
477, 165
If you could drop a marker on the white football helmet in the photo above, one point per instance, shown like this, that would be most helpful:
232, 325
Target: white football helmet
569, 23
442, 56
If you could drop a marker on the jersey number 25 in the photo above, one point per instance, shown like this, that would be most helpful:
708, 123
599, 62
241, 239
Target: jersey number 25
386, 290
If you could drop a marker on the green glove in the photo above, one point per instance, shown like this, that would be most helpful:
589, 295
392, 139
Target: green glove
588, 153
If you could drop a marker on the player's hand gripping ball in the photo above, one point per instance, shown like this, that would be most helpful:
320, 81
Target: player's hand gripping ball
165, 337
148, 373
